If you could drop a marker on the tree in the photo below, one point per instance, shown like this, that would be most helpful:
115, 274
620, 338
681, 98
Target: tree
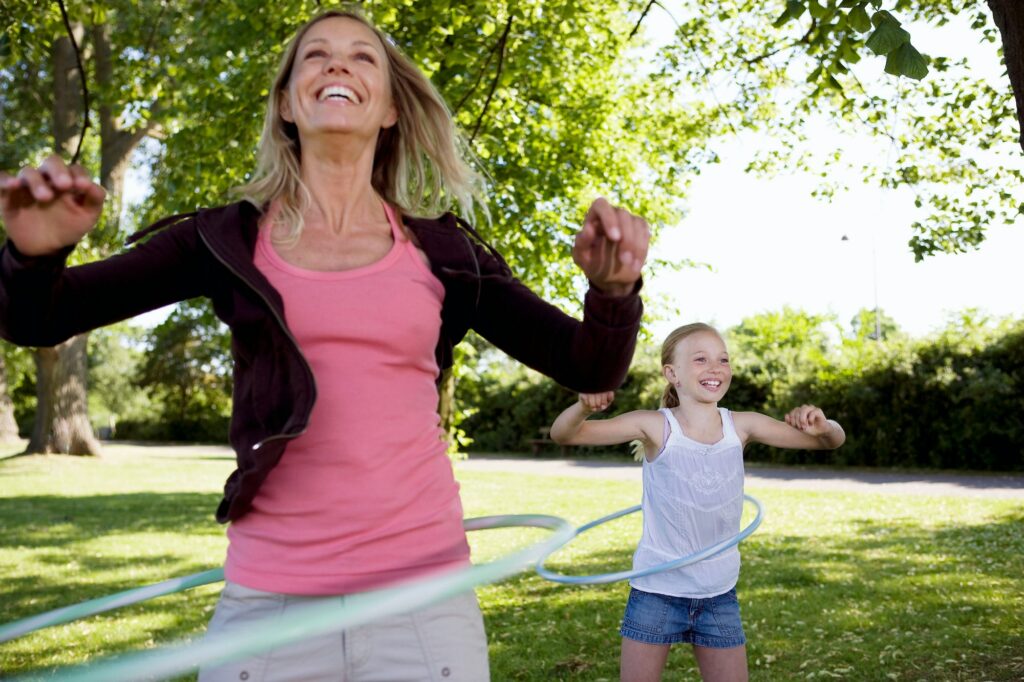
773, 349
96, 70
186, 368
558, 98
784, 68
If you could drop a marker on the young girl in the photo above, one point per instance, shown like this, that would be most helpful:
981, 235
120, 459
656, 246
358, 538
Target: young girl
693, 498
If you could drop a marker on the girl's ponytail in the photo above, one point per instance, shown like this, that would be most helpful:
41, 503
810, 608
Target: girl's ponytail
669, 398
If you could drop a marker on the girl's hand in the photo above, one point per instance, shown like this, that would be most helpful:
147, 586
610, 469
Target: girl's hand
48, 208
596, 402
611, 247
809, 419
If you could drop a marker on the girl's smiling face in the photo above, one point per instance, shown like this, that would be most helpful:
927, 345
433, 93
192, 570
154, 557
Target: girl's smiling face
340, 81
700, 368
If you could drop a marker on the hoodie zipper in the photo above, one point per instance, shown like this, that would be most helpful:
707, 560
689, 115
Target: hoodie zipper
284, 328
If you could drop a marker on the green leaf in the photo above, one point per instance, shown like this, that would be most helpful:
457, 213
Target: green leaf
848, 53
859, 20
881, 16
907, 61
817, 11
794, 9
886, 37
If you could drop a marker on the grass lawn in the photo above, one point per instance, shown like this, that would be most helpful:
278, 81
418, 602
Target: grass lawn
834, 586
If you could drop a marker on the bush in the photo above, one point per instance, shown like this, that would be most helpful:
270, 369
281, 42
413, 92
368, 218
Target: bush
950, 401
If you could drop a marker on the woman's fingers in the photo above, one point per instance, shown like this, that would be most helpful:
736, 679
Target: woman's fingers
37, 184
611, 248
57, 173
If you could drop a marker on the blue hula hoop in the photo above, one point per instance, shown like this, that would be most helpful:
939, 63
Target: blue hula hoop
175, 659
601, 578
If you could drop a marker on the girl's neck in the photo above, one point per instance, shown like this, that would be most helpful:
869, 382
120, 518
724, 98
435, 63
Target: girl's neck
696, 414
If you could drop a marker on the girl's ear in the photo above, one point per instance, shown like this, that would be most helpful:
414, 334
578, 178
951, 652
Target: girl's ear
669, 372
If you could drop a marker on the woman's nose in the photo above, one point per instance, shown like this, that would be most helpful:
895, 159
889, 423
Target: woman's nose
335, 64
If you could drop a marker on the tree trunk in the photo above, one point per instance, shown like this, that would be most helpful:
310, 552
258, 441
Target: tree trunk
446, 404
62, 416
8, 426
1008, 16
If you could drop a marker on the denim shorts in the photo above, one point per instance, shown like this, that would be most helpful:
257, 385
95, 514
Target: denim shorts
660, 619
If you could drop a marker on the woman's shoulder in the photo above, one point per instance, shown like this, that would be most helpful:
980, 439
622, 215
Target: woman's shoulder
216, 217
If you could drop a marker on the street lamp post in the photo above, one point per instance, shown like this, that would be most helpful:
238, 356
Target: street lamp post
874, 283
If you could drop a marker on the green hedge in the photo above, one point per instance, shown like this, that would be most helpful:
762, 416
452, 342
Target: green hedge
952, 401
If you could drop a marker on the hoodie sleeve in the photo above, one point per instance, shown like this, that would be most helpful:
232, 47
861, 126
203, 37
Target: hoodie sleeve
43, 302
589, 356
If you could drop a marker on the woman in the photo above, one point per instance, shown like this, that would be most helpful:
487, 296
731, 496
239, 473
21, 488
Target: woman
344, 310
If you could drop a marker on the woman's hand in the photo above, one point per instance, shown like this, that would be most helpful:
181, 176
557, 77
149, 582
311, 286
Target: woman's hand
596, 402
48, 208
611, 247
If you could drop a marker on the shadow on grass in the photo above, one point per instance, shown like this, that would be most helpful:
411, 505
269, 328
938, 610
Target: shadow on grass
881, 600
52, 526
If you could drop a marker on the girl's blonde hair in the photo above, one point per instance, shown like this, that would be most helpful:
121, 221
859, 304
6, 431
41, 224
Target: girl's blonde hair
420, 165
669, 397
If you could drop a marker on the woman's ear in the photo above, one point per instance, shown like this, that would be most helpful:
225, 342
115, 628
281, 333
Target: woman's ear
392, 117
285, 107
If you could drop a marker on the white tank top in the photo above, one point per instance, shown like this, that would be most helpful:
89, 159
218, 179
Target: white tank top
693, 498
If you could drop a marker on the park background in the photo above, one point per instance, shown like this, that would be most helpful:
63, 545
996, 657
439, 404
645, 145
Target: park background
753, 136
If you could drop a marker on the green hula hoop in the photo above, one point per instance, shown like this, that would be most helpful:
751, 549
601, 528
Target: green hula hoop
317, 619
603, 578
67, 614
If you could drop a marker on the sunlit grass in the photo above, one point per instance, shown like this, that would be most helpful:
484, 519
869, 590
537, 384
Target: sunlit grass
833, 586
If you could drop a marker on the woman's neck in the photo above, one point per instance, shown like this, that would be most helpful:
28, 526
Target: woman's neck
338, 178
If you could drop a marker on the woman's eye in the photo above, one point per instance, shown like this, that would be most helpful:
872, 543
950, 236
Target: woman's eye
315, 53
366, 57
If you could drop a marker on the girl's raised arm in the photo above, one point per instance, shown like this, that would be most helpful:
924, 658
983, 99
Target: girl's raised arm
804, 428
572, 428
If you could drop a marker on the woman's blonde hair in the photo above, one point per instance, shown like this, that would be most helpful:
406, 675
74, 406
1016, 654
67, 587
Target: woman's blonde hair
669, 397
420, 165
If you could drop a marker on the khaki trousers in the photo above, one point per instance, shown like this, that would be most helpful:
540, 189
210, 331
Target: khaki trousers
441, 643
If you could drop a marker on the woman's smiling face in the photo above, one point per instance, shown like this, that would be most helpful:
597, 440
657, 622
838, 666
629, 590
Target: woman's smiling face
340, 81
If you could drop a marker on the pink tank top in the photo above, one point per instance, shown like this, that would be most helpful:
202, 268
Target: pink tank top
366, 496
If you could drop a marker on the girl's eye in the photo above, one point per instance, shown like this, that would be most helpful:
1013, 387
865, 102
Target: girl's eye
701, 360
725, 361
314, 53
365, 57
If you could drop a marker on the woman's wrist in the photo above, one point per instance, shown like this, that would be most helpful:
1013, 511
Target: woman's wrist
615, 289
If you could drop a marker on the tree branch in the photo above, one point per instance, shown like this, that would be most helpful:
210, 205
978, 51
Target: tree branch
479, 75
700, 62
1008, 16
641, 19
502, 43
81, 73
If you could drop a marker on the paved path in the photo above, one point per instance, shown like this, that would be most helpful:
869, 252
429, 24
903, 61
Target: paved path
943, 484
